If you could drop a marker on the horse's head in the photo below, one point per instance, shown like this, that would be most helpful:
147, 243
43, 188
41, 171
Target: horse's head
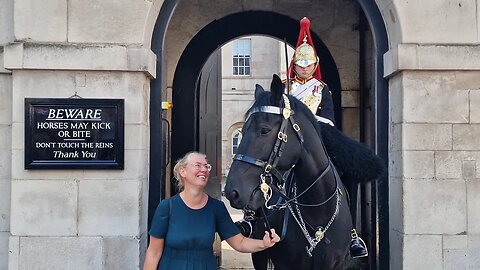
270, 146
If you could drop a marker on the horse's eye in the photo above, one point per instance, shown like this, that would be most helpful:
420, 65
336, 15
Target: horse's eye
264, 130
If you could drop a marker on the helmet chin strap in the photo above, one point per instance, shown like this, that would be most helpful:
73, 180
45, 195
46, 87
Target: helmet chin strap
309, 75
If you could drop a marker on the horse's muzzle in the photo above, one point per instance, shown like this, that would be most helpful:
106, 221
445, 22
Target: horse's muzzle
234, 197
253, 202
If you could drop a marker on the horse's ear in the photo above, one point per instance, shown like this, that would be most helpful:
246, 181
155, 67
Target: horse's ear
258, 90
277, 89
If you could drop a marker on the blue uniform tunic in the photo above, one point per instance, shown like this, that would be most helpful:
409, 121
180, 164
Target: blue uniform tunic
189, 233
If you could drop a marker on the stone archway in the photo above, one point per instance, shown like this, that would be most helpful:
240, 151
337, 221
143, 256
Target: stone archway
202, 45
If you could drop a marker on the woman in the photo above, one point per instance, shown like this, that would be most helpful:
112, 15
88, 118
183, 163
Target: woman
183, 228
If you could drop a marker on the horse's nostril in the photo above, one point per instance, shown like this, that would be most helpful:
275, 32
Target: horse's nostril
234, 195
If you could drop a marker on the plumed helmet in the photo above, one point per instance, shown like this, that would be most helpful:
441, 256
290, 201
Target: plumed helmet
305, 54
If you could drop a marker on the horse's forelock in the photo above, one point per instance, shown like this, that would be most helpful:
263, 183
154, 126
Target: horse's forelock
261, 100
297, 106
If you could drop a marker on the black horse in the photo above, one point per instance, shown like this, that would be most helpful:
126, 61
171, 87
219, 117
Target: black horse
283, 178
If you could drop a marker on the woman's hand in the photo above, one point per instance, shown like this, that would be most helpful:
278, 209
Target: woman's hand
244, 244
269, 239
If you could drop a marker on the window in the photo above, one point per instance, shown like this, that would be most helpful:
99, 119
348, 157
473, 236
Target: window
236, 138
241, 56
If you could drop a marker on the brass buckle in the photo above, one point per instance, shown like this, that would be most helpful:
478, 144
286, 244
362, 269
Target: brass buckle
282, 136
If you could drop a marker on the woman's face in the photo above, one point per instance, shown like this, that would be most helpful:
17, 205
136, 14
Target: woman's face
305, 72
196, 172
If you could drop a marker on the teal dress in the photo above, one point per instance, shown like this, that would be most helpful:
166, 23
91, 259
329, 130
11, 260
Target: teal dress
189, 233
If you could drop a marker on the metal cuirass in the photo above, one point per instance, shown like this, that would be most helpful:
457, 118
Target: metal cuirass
310, 92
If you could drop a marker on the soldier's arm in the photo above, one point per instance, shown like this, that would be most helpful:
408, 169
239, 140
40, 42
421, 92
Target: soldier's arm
326, 107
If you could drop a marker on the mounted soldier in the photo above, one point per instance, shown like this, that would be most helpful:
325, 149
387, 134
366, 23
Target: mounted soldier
305, 79
305, 83
354, 161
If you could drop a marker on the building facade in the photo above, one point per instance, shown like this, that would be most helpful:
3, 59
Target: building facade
422, 74
262, 58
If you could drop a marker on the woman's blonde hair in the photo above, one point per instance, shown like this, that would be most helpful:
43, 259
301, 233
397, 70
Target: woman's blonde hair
182, 163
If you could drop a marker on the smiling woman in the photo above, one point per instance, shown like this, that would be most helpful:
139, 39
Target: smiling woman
173, 244
197, 161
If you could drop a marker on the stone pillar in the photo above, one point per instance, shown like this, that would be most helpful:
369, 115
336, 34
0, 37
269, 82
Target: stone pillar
434, 146
6, 36
80, 219
75, 219
5, 159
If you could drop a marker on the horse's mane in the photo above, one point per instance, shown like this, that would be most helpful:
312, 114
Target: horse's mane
297, 106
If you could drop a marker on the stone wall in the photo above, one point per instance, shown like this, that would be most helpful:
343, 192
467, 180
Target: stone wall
433, 71
75, 219
434, 170
5, 160
6, 36
99, 214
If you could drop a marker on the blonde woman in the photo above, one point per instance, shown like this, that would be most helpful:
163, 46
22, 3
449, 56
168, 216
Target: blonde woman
184, 226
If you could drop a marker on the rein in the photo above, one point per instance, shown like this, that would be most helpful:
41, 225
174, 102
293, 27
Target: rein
269, 170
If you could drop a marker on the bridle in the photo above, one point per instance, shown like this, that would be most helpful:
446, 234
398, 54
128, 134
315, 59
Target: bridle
270, 172
269, 166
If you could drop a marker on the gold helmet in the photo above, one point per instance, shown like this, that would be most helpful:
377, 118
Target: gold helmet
305, 54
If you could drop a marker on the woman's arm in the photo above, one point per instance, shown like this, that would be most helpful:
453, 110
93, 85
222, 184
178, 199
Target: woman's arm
154, 253
248, 245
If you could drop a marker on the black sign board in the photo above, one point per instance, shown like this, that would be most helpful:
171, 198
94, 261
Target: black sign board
74, 133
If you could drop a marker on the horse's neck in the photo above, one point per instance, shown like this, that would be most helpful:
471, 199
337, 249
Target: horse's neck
314, 159
314, 162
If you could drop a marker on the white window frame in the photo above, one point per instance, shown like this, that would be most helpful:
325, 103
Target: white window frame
241, 57
236, 139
